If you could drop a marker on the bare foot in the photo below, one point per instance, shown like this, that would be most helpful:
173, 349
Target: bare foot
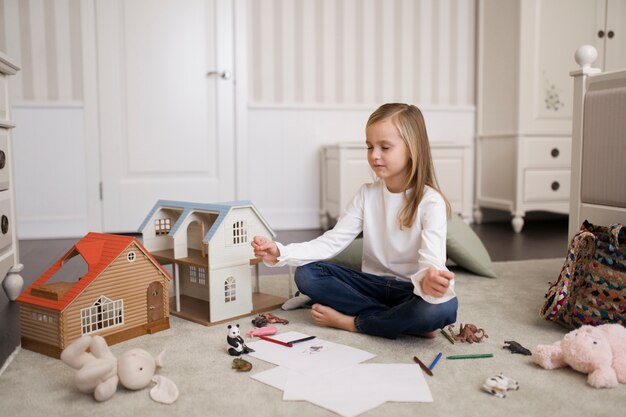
429, 335
329, 317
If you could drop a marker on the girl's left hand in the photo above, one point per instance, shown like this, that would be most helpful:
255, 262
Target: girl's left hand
436, 282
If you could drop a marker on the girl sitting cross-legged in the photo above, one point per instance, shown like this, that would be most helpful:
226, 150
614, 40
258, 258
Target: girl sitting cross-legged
404, 286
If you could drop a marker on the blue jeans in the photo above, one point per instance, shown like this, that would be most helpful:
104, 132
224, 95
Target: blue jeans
382, 306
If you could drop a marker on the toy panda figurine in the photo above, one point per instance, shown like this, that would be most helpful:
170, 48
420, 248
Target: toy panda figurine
235, 341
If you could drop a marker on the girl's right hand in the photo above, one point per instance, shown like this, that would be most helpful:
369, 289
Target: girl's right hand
265, 249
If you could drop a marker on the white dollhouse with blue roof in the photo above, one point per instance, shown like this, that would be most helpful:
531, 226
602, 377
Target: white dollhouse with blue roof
209, 249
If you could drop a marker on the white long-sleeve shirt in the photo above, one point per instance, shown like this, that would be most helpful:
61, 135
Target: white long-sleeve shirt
388, 251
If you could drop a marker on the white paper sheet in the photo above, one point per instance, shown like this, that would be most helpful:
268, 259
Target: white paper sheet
276, 377
391, 382
331, 375
315, 354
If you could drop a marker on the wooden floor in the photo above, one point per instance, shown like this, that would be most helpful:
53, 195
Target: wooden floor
540, 239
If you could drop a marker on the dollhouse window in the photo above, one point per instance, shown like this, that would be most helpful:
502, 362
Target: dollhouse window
102, 314
42, 317
131, 256
230, 290
240, 234
162, 226
193, 274
201, 276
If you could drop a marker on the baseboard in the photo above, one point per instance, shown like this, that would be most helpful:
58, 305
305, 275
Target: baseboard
10, 359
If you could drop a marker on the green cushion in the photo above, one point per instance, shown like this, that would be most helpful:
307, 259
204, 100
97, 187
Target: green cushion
466, 249
463, 247
351, 257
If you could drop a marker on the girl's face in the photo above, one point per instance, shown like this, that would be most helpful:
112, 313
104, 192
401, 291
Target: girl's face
387, 154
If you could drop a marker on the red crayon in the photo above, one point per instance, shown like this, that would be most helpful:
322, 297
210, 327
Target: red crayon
279, 342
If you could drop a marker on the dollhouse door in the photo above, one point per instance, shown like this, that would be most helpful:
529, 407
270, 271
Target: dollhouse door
166, 105
155, 301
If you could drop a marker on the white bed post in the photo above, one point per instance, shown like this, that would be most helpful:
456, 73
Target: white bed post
584, 56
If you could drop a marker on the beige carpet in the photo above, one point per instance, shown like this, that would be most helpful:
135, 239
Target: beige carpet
196, 359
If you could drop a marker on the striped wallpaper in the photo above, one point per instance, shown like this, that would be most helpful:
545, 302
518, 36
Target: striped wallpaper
359, 52
44, 37
301, 52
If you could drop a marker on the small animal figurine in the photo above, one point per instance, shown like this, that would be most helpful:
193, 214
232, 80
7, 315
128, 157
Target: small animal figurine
468, 333
498, 385
235, 341
259, 321
515, 347
272, 319
241, 365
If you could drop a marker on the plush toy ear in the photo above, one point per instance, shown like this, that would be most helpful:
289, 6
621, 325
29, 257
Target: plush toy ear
159, 359
549, 356
75, 355
165, 391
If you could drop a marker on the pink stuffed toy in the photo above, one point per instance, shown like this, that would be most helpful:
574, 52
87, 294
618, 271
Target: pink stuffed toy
262, 331
598, 351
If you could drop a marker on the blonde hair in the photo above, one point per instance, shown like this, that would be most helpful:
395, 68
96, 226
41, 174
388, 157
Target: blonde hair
410, 123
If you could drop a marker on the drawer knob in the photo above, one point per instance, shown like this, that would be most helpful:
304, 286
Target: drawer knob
554, 152
4, 224
3, 159
555, 185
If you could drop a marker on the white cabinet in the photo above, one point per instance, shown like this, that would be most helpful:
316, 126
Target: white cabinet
524, 97
610, 35
345, 169
9, 255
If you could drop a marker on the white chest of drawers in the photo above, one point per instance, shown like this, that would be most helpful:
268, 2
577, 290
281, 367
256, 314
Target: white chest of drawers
9, 250
522, 174
344, 169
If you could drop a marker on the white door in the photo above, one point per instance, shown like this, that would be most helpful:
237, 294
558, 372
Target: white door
166, 105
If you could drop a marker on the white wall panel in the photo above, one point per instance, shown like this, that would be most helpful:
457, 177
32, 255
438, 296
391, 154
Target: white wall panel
285, 144
338, 62
45, 39
50, 172
315, 71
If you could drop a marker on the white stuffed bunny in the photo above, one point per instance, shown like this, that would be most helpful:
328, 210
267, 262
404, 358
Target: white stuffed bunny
99, 371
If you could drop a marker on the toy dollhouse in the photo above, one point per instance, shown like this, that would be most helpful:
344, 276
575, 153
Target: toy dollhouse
209, 249
122, 294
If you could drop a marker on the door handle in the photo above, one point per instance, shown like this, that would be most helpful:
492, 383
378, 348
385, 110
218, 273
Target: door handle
222, 74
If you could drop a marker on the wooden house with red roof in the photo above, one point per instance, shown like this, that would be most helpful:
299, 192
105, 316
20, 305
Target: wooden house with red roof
123, 294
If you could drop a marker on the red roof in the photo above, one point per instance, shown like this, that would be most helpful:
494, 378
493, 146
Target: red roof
98, 250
